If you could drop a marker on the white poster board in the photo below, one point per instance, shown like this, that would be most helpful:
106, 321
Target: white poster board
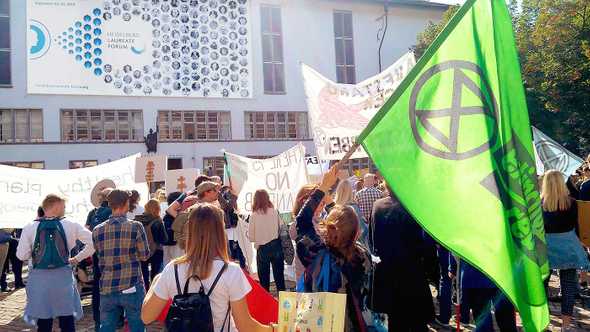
338, 113
282, 176
182, 180
151, 168
139, 48
23, 189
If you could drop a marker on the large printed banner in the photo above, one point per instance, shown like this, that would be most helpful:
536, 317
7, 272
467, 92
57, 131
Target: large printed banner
282, 176
139, 48
550, 155
23, 189
339, 112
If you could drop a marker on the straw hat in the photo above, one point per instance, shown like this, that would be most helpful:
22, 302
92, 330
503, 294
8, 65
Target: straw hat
97, 190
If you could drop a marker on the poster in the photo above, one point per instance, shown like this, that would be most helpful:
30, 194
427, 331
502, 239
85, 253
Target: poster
182, 180
139, 48
151, 168
339, 112
550, 155
22, 189
282, 176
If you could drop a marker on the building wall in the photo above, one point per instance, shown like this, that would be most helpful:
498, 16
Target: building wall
308, 36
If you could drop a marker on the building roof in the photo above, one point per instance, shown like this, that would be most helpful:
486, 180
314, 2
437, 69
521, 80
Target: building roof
443, 4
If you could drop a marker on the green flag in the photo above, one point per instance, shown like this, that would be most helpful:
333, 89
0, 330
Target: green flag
454, 143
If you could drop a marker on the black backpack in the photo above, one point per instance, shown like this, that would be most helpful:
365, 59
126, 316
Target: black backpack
192, 311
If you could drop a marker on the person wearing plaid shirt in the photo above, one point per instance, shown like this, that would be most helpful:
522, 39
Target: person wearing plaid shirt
367, 196
120, 245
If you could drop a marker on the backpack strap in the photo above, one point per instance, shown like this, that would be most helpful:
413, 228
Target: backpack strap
225, 319
217, 279
176, 277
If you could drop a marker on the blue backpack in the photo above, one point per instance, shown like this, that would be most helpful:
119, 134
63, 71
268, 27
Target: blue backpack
50, 249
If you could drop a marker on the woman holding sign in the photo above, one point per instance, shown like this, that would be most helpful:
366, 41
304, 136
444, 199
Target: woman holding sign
349, 263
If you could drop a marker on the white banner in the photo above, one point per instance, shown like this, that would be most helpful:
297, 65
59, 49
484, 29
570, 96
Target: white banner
151, 168
339, 112
550, 155
282, 176
182, 180
23, 189
139, 48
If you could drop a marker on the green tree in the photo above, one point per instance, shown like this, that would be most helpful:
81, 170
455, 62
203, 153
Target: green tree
553, 40
426, 37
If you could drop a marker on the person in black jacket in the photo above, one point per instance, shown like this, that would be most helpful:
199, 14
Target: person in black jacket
156, 236
400, 287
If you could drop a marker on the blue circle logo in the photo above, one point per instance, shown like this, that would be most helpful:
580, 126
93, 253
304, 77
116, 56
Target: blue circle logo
39, 39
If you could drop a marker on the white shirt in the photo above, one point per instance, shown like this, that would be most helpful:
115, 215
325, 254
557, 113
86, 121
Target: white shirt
74, 231
139, 210
263, 227
232, 286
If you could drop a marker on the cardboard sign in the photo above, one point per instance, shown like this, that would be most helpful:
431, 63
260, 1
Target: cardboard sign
151, 168
312, 312
182, 180
584, 222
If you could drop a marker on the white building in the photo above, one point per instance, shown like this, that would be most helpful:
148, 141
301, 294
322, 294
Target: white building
61, 131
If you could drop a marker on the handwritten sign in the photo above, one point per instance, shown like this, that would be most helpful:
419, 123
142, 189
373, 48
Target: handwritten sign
181, 180
151, 168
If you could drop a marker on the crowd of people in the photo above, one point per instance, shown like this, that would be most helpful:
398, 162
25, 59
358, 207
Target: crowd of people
140, 257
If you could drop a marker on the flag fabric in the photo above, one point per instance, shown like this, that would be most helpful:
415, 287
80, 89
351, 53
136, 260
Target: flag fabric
454, 143
551, 155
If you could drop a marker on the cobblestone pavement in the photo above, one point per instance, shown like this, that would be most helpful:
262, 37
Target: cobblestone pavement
12, 307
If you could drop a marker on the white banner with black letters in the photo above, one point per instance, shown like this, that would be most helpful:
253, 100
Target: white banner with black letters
282, 176
23, 189
338, 113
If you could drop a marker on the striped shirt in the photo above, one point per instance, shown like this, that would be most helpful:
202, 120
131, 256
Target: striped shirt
120, 245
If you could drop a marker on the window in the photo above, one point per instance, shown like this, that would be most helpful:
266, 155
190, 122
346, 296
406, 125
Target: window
82, 163
358, 164
272, 50
25, 164
21, 125
79, 125
174, 163
276, 125
213, 166
194, 125
5, 67
345, 69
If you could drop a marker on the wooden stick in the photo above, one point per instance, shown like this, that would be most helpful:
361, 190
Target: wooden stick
348, 154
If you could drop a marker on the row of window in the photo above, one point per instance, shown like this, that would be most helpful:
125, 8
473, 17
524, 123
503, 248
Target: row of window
83, 125
272, 48
211, 165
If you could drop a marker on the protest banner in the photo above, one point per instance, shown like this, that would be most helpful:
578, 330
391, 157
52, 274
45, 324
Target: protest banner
316, 168
551, 155
282, 176
313, 312
23, 189
182, 180
151, 168
339, 112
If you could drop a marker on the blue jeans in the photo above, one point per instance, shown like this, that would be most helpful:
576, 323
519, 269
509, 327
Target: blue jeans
112, 305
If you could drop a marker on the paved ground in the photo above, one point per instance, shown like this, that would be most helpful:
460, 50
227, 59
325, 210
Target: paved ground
12, 306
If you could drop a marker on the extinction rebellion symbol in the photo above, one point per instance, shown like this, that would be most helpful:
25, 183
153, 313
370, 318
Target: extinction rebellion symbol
446, 143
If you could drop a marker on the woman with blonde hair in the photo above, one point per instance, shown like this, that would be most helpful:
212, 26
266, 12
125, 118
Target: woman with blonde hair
206, 260
565, 253
263, 231
345, 196
336, 248
156, 236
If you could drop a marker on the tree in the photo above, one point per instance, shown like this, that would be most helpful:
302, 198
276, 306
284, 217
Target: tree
553, 41
426, 37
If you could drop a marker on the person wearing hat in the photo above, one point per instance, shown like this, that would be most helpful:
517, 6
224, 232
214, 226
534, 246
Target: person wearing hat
99, 214
207, 192
121, 244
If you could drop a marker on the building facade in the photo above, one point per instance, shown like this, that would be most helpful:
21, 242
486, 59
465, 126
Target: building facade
337, 38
